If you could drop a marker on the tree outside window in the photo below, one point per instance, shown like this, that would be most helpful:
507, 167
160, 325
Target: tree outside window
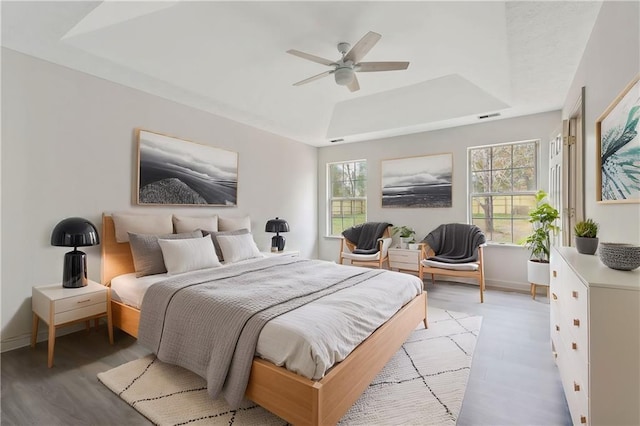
503, 182
347, 195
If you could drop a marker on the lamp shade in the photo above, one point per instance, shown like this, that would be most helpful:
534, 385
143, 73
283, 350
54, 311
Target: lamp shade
276, 225
75, 232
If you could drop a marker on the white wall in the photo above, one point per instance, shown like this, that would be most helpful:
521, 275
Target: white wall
69, 149
610, 61
505, 265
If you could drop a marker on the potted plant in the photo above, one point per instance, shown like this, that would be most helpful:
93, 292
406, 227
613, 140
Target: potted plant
406, 235
542, 217
586, 236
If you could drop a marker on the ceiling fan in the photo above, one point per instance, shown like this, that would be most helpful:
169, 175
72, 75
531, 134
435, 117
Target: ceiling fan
344, 69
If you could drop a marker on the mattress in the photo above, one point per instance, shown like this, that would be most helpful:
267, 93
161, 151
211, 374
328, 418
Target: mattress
312, 338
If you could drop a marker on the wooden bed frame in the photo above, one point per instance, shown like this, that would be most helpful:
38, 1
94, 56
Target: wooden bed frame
294, 398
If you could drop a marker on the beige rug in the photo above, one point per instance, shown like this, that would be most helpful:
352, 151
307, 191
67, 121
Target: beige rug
424, 383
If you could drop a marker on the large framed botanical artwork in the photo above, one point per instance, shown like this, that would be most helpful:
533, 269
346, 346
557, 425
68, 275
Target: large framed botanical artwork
173, 171
618, 148
417, 181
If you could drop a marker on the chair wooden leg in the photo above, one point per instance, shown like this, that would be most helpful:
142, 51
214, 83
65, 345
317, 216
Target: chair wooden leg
433, 279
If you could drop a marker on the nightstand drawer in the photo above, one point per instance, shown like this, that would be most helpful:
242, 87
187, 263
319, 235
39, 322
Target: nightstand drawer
80, 301
407, 266
79, 313
404, 256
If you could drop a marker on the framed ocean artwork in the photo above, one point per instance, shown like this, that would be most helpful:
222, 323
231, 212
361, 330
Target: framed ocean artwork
417, 181
618, 148
173, 171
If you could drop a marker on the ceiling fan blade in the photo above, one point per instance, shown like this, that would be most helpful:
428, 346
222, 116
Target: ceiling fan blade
311, 57
381, 66
315, 77
362, 47
354, 85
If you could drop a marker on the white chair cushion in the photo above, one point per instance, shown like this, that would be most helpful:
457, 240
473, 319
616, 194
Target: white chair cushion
451, 266
348, 255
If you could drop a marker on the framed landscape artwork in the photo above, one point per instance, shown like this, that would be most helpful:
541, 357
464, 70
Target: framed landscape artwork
417, 181
173, 171
618, 148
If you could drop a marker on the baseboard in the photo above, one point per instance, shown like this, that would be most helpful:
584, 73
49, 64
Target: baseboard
508, 285
43, 335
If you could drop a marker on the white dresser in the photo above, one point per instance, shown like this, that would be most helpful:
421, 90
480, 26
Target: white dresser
595, 338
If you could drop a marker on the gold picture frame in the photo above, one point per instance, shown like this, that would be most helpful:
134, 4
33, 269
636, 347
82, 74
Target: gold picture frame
618, 148
174, 171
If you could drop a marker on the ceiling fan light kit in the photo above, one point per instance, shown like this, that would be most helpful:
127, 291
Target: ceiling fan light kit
344, 69
344, 76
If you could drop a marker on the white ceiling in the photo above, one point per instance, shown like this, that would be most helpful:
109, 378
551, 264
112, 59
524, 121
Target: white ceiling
228, 58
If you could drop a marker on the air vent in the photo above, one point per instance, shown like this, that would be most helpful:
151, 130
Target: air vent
336, 140
495, 114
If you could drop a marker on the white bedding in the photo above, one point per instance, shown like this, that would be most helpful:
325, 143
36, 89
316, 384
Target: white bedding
311, 339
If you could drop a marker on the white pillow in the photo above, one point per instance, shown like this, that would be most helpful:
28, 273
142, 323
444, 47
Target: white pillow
238, 247
233, 223
190, 223
188, 255
141, 224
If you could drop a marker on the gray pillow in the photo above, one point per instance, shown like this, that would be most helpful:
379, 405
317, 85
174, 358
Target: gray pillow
216, 244
147, 254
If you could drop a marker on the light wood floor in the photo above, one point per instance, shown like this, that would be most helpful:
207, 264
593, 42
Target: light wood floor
513, 379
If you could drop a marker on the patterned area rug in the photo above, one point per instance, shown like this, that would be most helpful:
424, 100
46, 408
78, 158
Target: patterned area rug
424, 383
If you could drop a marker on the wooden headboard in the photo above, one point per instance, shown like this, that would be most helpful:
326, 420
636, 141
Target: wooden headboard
116, 257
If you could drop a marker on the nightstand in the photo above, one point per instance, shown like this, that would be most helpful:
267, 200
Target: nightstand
58, 307
405, 260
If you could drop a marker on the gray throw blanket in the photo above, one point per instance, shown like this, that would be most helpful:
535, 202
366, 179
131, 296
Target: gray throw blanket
209, 321
455, 242
365, 236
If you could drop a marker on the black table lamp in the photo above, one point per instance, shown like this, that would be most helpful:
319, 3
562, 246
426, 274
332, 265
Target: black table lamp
75, 232
277, 225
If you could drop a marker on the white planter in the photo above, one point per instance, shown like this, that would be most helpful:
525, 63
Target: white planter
414, 246
538, 272
404, 242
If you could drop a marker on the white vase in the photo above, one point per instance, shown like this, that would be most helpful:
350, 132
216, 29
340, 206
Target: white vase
538, 272
414, 246
404, 242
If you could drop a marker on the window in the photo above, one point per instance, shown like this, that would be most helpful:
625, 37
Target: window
503, 180
347, 195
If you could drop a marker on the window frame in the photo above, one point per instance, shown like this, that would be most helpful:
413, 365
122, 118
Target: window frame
330, 198
471, 193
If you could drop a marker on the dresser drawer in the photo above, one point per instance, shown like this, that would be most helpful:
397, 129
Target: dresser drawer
80, 301
573, 374
575, 315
